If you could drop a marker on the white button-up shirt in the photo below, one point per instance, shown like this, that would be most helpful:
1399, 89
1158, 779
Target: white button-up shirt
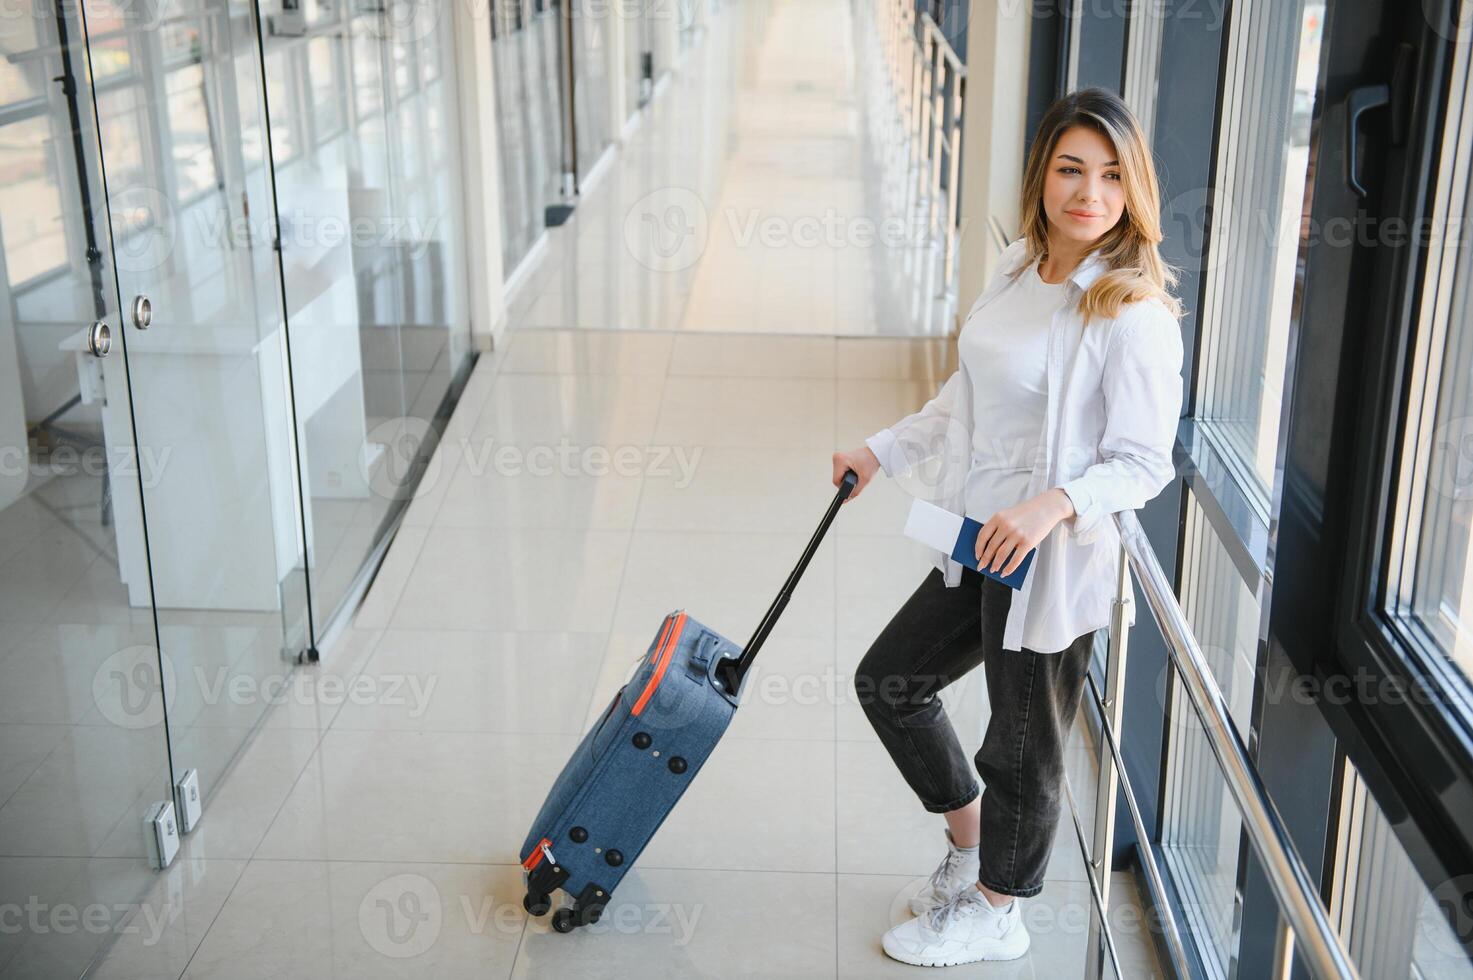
1114, 401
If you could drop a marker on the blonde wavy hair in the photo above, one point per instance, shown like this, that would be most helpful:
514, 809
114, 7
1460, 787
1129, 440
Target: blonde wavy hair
1134, 267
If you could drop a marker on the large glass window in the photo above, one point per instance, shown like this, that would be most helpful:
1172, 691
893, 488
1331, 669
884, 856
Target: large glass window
1430, 589
284, 118
192, 130
1201, 829
122, 111
1393, 923
1100, 33
323, 59
1252, 263
368, 92
30, 198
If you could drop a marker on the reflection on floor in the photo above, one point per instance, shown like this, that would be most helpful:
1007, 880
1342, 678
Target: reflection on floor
407, 372
83, 748
371, 829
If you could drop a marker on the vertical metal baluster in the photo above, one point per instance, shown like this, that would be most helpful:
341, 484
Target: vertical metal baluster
953, 201
913, 150
1283, 950
923, 128
1107, 787
938, 96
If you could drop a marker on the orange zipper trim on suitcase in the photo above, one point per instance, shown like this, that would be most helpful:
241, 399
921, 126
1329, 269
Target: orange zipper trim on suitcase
669, 640
536, 856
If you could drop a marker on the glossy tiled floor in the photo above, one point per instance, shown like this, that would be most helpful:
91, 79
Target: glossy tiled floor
371, 828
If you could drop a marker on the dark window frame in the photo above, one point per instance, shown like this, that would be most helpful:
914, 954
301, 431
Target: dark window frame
1416, 758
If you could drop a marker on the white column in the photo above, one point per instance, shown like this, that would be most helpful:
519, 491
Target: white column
476, 88
665, 28
993, 133
613, 14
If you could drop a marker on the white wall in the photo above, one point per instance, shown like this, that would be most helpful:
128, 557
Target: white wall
476, 92
993, 134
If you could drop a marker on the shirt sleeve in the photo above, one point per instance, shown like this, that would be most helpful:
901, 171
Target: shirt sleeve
919, 436
1142, 386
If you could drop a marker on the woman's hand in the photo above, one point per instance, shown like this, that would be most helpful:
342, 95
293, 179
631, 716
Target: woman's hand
862, 461
1015, 531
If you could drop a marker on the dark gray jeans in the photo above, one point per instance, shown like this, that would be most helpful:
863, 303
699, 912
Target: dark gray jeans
936, 637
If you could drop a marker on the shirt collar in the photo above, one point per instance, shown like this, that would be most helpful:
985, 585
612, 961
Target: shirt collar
1085, 273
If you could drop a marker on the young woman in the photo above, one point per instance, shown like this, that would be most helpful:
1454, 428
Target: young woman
1063, 411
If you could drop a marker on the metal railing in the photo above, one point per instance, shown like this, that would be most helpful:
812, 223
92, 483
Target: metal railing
927, 81
1305, 923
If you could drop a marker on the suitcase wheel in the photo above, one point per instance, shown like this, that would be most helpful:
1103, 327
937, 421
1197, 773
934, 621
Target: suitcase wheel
536, 904
585, 910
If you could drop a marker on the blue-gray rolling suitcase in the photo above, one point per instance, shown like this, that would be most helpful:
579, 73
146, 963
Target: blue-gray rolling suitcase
634, 764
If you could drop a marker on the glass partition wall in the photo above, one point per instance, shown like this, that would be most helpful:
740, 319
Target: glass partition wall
83, 755
526, 45
548, 137
234, 305
593, 74
362, 113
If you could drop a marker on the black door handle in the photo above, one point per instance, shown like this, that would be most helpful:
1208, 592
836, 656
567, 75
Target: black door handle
1367, 97
1360, 101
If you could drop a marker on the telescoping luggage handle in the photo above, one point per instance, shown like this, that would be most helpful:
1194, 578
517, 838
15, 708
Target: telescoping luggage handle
731, 672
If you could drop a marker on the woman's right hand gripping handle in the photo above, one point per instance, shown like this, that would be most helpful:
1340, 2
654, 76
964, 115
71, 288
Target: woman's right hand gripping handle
862, 461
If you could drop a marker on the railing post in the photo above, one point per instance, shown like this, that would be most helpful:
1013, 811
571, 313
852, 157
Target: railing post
914, 154
882, 30
938, 128
927, 84
953, 201
1283, 950
1317, 940
923, 124
1107, 786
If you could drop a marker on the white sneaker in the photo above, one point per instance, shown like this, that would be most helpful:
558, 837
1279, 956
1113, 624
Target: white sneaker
957, 871
964, 930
